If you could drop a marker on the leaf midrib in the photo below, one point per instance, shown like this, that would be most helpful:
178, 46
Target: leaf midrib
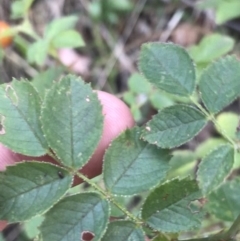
157, 60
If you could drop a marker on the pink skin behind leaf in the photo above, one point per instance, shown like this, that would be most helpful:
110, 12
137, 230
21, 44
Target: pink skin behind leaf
117, 118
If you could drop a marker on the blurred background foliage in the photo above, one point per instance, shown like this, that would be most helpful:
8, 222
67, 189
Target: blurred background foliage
100, 40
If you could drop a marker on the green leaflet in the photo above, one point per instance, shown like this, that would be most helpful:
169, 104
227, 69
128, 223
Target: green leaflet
224, 119
173, 126
58, 26
68, 39
31, 188
132, 165
20, 127
224, 202
138, 84
168, 67
75, 217
123, 231
72, 121
211, 47
168, 208
227, 10
220, 84
215, 167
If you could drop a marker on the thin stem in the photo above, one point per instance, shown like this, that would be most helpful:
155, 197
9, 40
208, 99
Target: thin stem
234, 229
51, 154
109, 197
212, 118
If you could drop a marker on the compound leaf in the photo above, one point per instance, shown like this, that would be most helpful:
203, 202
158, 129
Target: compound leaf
72, 121
132, 165
76, 217
169, 207
214, 168
174, 126
20, 127
123, 231
220, 83
30, 188
224, 202
168, 67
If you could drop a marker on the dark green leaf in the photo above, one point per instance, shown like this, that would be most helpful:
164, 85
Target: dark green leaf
123, 231
20, 127
132, 165
168, 67
224, 202
68, 39
173, 126
72, 121
214, 168
76, 217
169, 207
31, 188
220, 84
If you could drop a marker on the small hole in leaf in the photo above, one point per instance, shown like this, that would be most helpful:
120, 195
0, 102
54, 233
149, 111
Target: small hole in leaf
87, 236
11, 94
60, 175
2, 130
148, 128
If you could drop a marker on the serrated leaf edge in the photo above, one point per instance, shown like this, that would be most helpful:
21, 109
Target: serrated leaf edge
216, 61
173, 146
205, 156
167, 45
45, 211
